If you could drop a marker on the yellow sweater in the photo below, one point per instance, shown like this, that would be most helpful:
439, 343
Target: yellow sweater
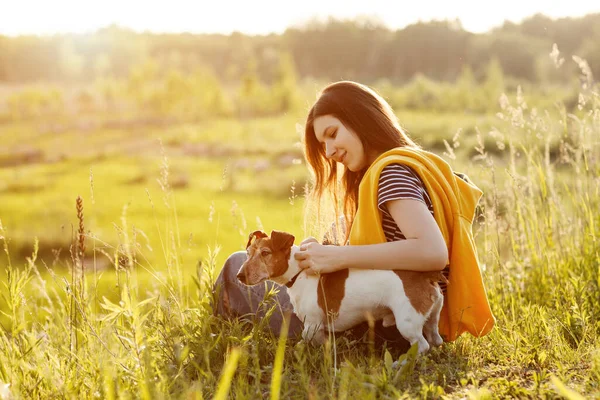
466, 307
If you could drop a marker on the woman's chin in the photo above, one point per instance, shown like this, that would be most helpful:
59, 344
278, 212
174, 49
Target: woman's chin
354, 167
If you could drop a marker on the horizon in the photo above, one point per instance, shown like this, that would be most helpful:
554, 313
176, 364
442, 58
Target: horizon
182, 17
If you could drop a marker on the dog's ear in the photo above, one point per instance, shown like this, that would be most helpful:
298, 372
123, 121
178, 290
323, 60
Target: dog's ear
281, 240
257, 234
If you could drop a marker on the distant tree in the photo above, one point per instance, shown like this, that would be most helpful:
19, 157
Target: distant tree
362, 49
141, 77
284, 88
422, 93
515, 52
436, 49
110, 91
538, 25
4, 49
590, 51
123, 47
494, 84
208, 98
101, 65
71, 63
252, 94
85, 101
466, 85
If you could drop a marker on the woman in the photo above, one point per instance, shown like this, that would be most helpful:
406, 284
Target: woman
402, 209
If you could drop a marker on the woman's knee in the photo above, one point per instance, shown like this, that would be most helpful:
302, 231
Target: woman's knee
226, 290
234, 263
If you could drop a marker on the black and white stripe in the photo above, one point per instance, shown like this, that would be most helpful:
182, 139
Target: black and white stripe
396, 182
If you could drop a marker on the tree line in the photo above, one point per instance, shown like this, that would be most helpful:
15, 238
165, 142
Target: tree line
361, 49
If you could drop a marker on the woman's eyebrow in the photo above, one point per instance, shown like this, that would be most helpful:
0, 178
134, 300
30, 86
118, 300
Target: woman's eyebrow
325, 131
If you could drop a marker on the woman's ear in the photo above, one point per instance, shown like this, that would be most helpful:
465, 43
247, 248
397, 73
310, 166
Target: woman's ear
282, 240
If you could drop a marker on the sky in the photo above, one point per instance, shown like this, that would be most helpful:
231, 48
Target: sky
47, 17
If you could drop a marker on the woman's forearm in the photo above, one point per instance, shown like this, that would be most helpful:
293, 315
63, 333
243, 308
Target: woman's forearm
409, 254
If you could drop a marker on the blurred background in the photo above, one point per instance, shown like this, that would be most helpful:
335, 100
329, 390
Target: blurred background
179, 125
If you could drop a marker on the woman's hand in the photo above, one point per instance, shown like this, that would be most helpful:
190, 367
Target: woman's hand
309, 240
317, 258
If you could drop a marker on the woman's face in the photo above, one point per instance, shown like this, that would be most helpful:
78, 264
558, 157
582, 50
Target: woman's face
341, 144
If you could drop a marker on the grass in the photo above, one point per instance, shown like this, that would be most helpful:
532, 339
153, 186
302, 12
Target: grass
139, 323
212, 164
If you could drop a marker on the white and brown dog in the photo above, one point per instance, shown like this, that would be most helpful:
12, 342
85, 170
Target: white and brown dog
340, 300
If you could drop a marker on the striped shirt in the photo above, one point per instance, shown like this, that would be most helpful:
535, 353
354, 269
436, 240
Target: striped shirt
398, 182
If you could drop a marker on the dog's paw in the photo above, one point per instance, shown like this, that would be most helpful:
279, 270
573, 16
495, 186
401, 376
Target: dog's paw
389, 320
436, 340
314, 336
319, 338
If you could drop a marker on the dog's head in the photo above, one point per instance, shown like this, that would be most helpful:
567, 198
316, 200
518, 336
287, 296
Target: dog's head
267, 256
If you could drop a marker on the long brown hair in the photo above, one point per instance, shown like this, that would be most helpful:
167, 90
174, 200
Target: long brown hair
364, 112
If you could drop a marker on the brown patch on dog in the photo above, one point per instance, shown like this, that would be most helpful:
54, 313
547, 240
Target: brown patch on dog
281, 246
257, 234
331, 289
420, 288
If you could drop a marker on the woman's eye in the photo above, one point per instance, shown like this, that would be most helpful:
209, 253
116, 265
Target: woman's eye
334, 134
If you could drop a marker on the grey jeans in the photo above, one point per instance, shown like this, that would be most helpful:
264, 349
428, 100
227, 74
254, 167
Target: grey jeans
233, 299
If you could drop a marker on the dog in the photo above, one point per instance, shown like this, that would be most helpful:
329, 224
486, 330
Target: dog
340, 300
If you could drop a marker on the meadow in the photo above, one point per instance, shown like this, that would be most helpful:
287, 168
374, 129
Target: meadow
111, 297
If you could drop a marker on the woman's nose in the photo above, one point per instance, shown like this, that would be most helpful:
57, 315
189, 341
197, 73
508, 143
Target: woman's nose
329, 150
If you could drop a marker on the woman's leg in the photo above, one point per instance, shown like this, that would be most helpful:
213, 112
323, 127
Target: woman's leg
234, 299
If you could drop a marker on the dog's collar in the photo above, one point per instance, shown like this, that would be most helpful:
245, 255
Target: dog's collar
293, 280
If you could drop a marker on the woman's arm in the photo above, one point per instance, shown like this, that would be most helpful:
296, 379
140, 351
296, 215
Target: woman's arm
423, 250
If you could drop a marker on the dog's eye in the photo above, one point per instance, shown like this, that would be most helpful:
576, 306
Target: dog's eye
265, 253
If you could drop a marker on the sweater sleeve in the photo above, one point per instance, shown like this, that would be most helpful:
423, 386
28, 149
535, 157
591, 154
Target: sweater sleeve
398, 182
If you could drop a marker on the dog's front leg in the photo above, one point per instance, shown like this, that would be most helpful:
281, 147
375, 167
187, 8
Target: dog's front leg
314, 334
389, 320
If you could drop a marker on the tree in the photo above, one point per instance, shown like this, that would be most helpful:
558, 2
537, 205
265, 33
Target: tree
493, 85
284, 90
466, 86
252, 95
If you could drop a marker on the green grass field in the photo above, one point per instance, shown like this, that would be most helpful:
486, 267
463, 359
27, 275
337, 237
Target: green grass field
162, 198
